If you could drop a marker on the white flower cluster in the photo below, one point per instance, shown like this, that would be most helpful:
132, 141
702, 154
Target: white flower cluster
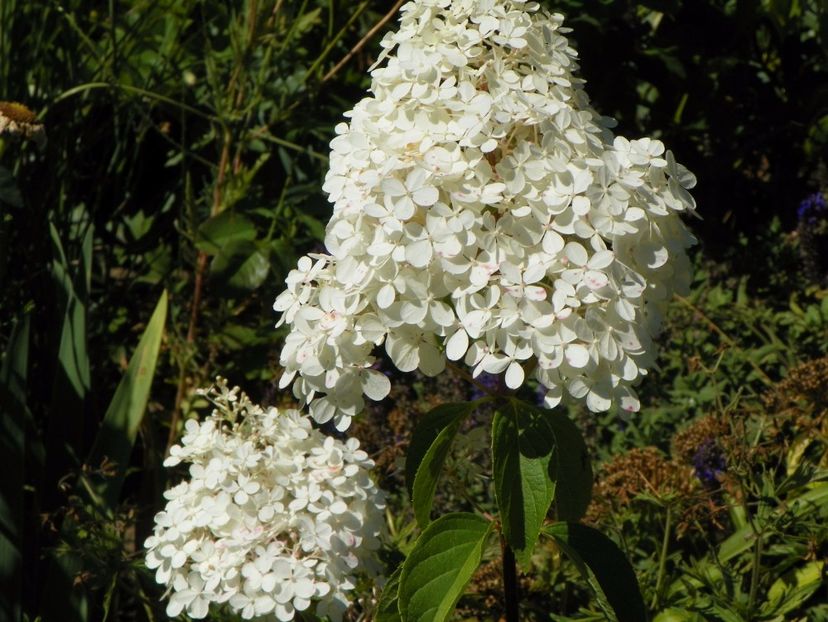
484, 211
274, 518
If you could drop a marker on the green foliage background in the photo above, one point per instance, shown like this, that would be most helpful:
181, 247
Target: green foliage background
187, 142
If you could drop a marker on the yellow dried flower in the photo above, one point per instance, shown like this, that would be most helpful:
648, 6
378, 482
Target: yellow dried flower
17, 120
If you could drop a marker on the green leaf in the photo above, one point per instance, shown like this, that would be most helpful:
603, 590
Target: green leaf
523, 452
442, 562
116, 437
427, 452
13, 381
791, 590
678, 615
73, 359
812, 501
71, 381
572, 467
241, 267
604, 566
388, 608
222, 230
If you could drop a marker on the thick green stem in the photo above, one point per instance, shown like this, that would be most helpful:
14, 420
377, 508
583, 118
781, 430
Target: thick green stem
662, 558
510, 582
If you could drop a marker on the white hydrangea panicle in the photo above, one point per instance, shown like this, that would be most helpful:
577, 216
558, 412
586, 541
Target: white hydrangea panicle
274, 518
483, 211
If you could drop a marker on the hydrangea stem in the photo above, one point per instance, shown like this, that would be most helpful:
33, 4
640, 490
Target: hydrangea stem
510, 582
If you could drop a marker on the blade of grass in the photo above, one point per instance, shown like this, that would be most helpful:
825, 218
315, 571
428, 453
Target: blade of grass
13, 380
114, 444
126, 411
72, 382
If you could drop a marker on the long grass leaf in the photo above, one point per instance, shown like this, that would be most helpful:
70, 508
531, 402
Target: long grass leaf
126, 411
13, 379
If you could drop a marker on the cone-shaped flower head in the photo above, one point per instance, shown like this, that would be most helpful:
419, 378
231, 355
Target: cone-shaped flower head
484, 212
275, 517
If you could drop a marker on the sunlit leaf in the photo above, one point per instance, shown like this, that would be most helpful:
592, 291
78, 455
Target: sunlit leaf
442, 562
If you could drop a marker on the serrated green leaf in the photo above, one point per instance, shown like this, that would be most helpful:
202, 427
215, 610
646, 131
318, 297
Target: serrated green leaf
440, 566
241, 267
388, 609
120, 424
815, 499
523, 453
222, 230
604, 566
427, 452
791, 590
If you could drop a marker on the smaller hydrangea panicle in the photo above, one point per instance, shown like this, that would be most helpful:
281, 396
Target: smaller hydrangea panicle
274, 517
484, 212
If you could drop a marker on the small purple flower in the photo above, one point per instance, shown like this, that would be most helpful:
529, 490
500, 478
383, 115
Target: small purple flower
540, 395
709, 463
812, 208
490, 381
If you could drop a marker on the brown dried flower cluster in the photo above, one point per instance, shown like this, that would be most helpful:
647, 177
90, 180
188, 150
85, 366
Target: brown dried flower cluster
647, 472
17, 120
686, 443
801, 400
640, 471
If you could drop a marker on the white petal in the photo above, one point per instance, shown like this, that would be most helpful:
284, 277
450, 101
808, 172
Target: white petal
425, 196
419, 253
441, 313
553, 243
595, 279
629, 403
514, 375
580, 205
393, 187
457, 345
375, 385
413, 311
404, 208
432, 362
576, 254
601, 260
386, 295
597, 403
495, 363
403, 353
578, 388
576, 355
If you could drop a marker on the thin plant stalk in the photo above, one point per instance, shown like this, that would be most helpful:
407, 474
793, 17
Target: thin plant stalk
662, 557
754, 571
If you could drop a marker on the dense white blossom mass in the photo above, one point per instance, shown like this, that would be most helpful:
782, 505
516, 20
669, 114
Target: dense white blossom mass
274, 518
485, 212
